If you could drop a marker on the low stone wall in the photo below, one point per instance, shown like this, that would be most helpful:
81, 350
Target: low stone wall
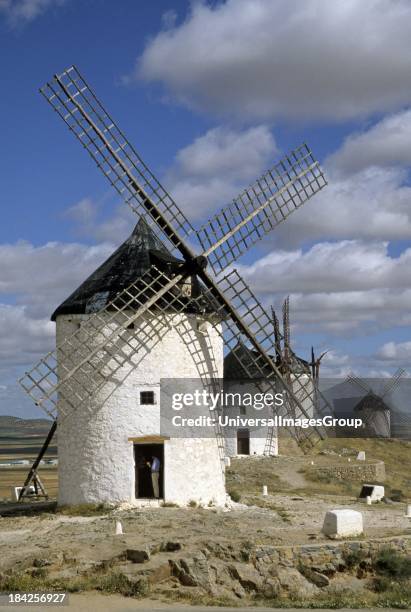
330, 557
359, 471
282, 571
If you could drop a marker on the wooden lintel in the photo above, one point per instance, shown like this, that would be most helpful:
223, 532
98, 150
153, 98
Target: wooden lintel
149, 439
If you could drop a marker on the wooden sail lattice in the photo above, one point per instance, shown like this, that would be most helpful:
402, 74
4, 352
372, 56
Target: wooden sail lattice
104, 343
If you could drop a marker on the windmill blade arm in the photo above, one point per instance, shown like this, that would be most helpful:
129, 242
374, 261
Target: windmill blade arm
247, 334
354, 380
73, 99
261, 207
277, 335
103, 339
393, 382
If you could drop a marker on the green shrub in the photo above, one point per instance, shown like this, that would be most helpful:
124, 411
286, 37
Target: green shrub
119, 583
235, 495
397, 495
381, 584
391, 563
354, 557
39, 572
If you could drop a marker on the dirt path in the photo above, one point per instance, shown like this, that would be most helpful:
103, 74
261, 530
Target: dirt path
287, 469
117, 603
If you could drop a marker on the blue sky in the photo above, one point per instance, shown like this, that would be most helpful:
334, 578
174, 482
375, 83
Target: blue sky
211, 94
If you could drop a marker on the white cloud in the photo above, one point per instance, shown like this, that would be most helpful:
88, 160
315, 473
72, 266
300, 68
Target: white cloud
23, 339
336, 288
373, 204
368, 194
84, 213
331, 267
335, 364
299, 60
92, 218
366, 198
41, 277
353, 312
37, 279
386, 144
217, 165
33, 281
392, 351
19, 12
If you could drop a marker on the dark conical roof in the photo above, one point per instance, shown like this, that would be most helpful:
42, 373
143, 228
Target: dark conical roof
129, 262
240, 363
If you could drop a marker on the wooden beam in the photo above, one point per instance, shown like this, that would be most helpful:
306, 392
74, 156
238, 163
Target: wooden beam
149, 439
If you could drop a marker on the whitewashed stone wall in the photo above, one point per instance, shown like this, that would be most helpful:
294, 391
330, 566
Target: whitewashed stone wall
302, 386
96, 458
258, 435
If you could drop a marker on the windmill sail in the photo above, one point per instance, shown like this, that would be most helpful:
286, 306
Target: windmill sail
74, 100
261, 207
256, 211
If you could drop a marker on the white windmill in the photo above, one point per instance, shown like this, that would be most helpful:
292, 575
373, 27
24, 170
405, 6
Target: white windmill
156, 313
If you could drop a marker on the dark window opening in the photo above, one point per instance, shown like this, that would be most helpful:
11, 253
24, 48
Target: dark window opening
131, 326
243, 442
147, 398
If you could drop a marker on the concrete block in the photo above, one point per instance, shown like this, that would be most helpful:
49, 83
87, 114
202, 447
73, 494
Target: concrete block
342, 523
375, 492
15, 492
361, 456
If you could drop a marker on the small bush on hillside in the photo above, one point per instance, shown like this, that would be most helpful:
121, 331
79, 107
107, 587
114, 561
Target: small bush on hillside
235, 495
84, 510
393, 564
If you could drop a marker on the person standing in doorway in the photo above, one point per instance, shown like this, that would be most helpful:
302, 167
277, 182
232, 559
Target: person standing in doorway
155, 476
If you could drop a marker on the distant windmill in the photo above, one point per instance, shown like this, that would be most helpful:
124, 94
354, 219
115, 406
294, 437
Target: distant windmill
296, 370
77, 382
372, 407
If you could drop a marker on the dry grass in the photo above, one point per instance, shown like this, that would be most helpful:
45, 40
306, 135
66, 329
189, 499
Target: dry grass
84, 510
396, 455
111, 582
16, 446
15, 477
248, 476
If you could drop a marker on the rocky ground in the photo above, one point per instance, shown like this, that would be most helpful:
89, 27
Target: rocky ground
196, 553
262, 550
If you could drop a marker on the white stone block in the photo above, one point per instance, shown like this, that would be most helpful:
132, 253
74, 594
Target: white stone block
227, 461
265, 491
374, 492
119, 528
342, 523
408, 511
361, 456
